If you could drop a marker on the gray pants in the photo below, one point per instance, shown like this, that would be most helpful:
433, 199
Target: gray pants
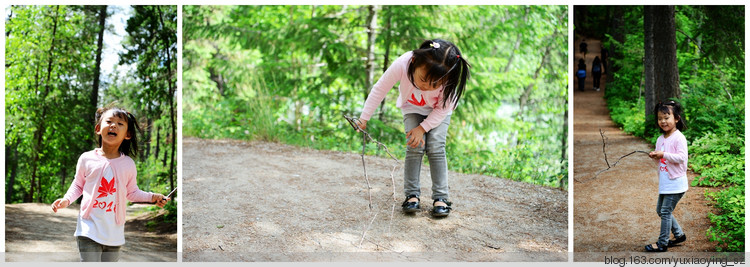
434, 147
91, 251
664, 207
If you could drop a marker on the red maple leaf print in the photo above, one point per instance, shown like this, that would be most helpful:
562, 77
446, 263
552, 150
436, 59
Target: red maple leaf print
106, 188
413, 100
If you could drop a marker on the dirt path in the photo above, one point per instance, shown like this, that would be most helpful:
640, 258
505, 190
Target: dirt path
262, 201
616, 212
34, 233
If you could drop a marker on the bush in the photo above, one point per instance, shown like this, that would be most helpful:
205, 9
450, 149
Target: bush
720, 161
729, 224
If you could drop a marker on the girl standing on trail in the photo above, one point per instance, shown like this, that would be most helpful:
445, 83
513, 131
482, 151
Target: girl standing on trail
432, 80
672, 155
106, 177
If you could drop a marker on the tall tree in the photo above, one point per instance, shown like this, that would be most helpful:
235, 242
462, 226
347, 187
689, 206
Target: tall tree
168, 38
151, 45
617, 28
372, 25
36, 182
666, 72
648, 63
97, 66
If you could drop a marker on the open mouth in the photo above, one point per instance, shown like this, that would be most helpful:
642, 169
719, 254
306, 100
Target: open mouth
112, 133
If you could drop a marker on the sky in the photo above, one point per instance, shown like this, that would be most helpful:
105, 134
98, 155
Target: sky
118, 19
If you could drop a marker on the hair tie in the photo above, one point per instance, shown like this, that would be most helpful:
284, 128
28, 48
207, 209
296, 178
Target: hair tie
435, 45
458, 56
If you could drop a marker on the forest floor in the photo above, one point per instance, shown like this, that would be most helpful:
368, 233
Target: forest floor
616, 210
33, 232
261, 201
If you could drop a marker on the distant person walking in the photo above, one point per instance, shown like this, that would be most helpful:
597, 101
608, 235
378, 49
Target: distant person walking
596, 70
581, 74
583, 47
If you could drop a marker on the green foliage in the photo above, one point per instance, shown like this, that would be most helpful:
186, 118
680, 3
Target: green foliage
50, 69
169, 217
721, 161
288, 73
713, 98
729, 224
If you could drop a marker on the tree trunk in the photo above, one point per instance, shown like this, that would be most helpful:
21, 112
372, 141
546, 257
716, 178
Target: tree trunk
164, 156
387, 31
372, 24
617, 27
39, 133
666, 73
158, 138
11, 163
648, 64
93, 99
172, 113
147, 137
564, 145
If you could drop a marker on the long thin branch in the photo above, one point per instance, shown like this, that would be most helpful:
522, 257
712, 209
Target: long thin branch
365, 137
369, 194
604, 143
367, 227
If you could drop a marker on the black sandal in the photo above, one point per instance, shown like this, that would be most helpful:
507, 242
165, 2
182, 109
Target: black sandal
650, 248
441, 211
676, 240
410, 207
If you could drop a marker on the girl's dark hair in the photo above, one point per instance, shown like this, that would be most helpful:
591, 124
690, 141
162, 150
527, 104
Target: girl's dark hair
444, 65
128, 147
670, 107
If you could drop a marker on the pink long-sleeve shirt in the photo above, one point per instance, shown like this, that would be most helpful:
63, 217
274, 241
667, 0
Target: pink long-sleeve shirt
675, 153
89, 171
428, 103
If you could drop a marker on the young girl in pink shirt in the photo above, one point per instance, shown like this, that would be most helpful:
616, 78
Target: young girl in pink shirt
432, 80
106, 177
672, 155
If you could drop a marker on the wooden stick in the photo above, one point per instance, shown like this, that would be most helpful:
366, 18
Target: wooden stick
369, 194
365, 137
367, 227
604, 143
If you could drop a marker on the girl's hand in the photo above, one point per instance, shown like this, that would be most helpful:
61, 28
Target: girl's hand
362, 124
60, 204
159, 200
656, 154
415, 137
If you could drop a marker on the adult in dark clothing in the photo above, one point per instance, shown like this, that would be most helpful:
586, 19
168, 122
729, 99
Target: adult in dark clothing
596, 70
581, 74
583, 47
604, 54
